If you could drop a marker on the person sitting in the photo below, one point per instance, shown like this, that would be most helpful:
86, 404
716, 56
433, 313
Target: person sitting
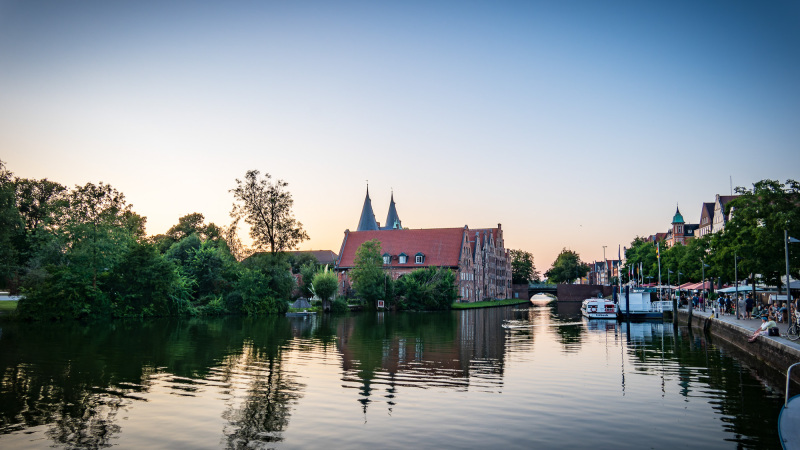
764, 329
758, 310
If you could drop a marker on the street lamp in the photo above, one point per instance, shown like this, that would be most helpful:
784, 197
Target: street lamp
736, 278
703, 266
669, 283
786, 240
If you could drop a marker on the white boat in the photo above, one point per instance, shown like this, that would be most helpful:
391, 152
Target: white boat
643, 304
599, 308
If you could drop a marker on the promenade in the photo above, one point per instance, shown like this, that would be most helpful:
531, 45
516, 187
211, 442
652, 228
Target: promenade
747, 326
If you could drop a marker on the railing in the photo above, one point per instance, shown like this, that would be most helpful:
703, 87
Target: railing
788, 380
661, 306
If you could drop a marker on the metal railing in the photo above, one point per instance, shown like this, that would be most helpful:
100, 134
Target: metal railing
788, 382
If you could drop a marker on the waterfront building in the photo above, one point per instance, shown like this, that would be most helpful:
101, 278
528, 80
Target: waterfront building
601, 272
478, 257
680, 232
706, 219
720, 218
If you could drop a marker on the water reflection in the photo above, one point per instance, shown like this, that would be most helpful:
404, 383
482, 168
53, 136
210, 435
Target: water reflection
241, 382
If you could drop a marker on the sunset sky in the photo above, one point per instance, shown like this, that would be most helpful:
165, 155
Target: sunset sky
574, 124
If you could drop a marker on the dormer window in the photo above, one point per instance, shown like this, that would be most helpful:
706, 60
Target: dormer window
403, 258
419, 258
387, 258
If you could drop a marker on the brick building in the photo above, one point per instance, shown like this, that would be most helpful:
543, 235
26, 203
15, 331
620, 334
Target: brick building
478, 257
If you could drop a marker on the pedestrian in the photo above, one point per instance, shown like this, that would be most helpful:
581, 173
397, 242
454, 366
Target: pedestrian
740, 307
748, 307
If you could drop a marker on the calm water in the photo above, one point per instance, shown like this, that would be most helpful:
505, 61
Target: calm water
444, 380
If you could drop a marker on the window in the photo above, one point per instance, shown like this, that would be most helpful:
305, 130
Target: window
387, 258
403, 258
419, 258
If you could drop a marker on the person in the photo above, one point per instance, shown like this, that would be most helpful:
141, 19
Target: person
727, 304
758, 310
740, 307
763, 330
772, 312
748, 307
695, 301
782, 313
721, 304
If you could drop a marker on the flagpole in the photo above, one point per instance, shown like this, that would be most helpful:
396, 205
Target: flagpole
658, 255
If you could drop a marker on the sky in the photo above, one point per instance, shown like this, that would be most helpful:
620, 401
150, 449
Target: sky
574, 124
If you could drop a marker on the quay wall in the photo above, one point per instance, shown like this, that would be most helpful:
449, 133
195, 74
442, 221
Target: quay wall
767, 351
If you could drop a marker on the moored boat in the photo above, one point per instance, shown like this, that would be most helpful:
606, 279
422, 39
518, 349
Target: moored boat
788, 430
642, 304
598, 308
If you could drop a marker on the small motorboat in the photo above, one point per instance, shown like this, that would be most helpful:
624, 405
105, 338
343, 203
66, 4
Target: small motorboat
599, 308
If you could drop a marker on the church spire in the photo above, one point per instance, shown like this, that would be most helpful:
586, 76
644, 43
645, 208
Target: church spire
392, 219
367, 221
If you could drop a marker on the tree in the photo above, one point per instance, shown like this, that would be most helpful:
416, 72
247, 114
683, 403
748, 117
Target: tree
522, 269
267, 207
368, 277
428, 289
567, 267
324, 286
756, 229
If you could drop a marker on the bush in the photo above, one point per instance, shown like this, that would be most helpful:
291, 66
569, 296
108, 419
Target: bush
339, 306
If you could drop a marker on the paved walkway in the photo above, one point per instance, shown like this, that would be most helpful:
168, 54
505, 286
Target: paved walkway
750, 325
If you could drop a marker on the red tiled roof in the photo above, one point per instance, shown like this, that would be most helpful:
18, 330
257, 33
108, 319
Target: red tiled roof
441, 246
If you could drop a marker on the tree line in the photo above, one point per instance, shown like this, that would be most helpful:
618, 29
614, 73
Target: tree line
754, 237
82, 252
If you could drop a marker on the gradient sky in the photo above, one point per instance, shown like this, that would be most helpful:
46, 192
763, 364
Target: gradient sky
574, 124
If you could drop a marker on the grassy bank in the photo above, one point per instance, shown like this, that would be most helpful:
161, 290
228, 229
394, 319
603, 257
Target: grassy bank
8, 305
489, 304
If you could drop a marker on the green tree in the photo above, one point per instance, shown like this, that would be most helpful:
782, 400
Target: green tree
755, 232
324, 286
369, 280
567, 267
307, 273
522, 268
11, 226
428, 289
257, 297
266, 207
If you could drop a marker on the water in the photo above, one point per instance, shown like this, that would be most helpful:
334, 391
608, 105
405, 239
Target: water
445, 380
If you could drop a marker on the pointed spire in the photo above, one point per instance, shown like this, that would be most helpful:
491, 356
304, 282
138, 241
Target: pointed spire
392, 219
367, 221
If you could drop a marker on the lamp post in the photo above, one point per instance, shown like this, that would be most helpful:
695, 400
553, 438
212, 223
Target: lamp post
703, 266
669, 283
736, 278
649, 279
786, 240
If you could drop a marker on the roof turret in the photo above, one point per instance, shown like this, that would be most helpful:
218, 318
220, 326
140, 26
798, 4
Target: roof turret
677, 218
392, 219
367, 221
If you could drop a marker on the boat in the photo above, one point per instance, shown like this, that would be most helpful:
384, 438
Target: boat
643, 304
788, 431
599, 308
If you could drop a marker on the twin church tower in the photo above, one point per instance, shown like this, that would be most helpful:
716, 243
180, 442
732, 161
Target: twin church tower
368, 222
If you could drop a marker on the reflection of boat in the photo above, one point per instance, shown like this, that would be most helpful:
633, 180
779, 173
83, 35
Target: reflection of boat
598, 308
643, 305
788, 430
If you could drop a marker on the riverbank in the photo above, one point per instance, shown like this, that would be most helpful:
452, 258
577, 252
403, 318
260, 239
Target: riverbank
490, 304
777, 352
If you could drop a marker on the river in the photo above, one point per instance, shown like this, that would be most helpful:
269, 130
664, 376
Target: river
455, 379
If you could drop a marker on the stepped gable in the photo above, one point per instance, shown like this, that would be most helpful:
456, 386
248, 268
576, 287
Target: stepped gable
440, 246
367, 221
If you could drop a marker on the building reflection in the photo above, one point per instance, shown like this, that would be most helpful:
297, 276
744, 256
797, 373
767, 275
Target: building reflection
461, 350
